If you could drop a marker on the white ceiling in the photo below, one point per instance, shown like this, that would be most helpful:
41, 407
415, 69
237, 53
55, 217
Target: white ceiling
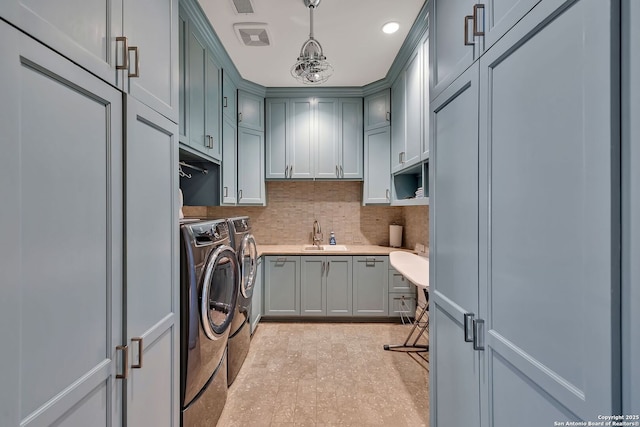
350, 32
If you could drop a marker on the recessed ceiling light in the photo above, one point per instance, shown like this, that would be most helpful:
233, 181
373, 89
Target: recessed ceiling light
390, 27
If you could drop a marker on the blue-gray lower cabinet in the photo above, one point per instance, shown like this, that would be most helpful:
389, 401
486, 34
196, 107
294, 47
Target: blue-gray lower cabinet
282, 286
326, 285
519, 126
256, 301
61, 307
370, 285
402, 295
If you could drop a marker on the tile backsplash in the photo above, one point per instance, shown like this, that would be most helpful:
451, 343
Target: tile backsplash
293, 206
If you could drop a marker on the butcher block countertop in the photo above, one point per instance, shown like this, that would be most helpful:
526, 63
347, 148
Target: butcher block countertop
350, 250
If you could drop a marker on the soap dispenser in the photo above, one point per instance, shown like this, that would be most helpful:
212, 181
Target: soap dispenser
332, 239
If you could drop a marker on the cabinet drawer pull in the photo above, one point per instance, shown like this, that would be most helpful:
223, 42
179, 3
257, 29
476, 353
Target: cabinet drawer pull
476, 31
125, 54
140, 350
370, 261
136, 51
466, 30
125, 362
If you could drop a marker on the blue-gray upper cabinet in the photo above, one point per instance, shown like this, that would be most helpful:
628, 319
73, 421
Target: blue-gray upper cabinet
398, 117
229, 161
370, 285
300, 141
407, 114
281, 286
152, 275
59, 160
461, 30
289, 138
377, 168
424, 47
449, 22
377, 110
105, 36
276, 138
350, 139
250, 111
325, 137
202, 98
251, 188
151, 28
229, 98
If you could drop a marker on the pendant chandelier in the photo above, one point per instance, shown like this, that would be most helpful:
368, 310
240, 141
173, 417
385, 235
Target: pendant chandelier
311, 67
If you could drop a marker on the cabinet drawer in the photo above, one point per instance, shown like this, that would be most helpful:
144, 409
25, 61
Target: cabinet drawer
402, 305
397, 282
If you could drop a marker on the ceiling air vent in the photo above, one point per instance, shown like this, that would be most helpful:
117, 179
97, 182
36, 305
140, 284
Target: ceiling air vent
242, 6
252, 33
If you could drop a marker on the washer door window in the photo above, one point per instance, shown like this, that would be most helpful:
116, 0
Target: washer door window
219, 291
248, 265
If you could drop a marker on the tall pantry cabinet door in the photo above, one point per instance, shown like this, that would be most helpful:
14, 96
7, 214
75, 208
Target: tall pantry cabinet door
549, 140
631, 207
455, 373
151, 27
152, 267
61, 246
500, 16
83, 31
229, 162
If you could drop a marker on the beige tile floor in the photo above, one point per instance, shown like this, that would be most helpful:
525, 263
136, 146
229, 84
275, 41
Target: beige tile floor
325, 374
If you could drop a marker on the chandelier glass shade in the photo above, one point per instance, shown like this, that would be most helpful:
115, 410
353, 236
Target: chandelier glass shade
312, 66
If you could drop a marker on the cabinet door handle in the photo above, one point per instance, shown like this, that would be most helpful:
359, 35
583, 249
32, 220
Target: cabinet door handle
125, 53
290, 171
341, 172
478, 334
328, 267
387, 194
125, 362
468, 327
226, 191
136, 51
476, 31
337, 173
466, 30
239, 117
225, 102
322, 269
239, 195
140, 350
388, 116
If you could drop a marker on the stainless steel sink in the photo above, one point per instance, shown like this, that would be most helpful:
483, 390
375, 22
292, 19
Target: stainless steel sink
325, 248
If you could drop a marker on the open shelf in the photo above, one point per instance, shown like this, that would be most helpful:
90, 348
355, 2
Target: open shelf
407, 182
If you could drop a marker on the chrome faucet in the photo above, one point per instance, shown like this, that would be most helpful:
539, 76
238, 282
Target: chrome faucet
317, 234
